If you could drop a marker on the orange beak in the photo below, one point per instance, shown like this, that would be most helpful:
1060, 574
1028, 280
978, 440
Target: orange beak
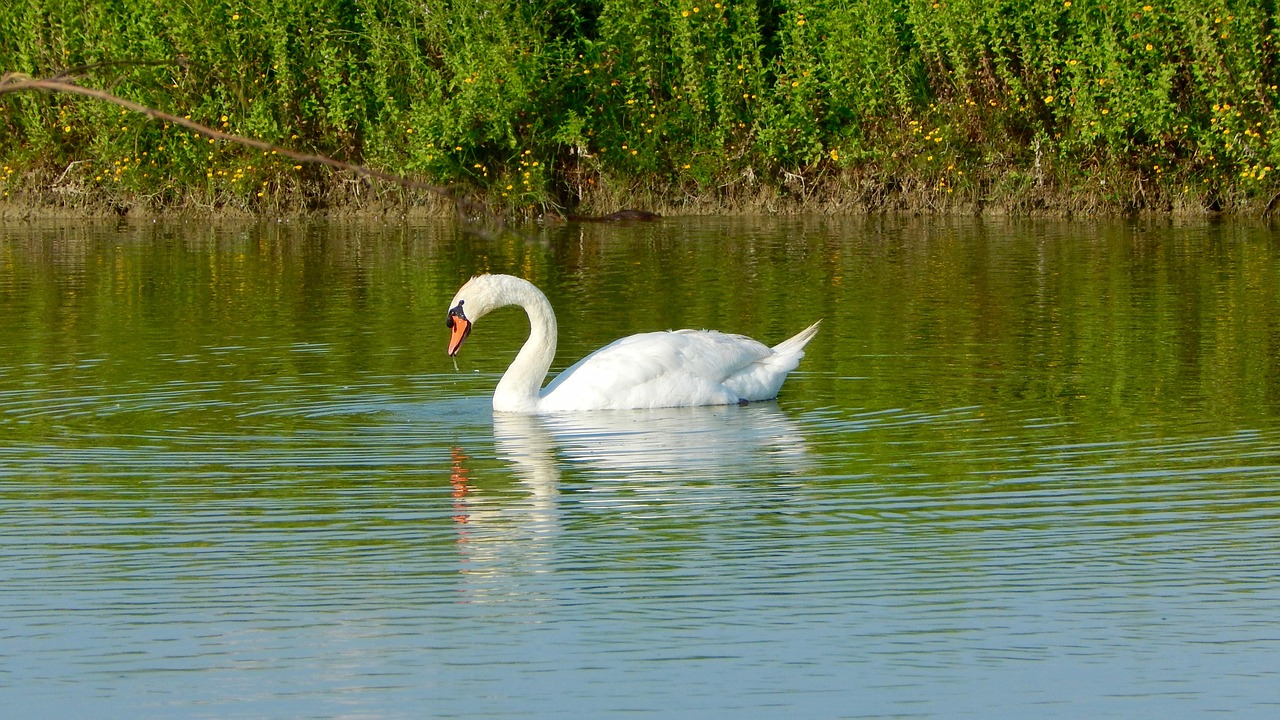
461, 328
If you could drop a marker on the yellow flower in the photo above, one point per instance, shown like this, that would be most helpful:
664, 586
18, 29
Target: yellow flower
1149, 46
835, 155
1146, 8
1048, 99
684, 13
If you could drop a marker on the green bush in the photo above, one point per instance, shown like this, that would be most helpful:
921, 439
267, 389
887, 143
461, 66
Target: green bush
543, 102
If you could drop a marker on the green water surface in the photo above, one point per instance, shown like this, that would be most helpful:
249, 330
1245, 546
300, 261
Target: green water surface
1027, 469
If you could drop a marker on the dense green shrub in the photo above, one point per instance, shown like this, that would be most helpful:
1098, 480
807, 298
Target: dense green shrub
537, 102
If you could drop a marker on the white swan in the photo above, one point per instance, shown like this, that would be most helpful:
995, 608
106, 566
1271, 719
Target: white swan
680, 368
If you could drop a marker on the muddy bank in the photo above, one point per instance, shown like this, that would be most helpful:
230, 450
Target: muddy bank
999, 195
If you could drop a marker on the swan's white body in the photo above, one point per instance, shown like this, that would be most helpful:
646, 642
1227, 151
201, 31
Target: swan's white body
681, 368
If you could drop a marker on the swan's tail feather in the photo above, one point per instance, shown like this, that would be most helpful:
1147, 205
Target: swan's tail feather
797, 342
761, 380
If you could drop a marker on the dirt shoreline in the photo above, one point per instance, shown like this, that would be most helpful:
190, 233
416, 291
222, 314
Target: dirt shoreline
842, 198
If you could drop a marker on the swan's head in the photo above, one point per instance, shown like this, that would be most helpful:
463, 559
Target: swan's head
481, 295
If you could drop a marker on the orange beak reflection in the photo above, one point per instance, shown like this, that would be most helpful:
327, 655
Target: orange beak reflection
461, 328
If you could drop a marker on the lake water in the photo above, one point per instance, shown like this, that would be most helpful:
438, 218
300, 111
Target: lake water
1026, 470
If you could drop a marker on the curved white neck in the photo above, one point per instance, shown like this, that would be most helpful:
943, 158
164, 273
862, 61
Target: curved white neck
518, 389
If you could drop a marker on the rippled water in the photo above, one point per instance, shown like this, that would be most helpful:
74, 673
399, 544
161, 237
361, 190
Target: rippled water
1027, 470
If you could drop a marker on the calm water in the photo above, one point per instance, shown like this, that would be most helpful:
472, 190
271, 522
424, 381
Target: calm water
1026, 470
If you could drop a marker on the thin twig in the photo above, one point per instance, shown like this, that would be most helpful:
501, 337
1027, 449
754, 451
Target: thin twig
79, 70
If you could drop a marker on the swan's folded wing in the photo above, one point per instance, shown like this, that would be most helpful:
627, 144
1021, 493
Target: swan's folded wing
660, 369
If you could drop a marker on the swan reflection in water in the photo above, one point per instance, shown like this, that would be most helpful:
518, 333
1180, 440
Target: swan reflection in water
631, 446
614, 463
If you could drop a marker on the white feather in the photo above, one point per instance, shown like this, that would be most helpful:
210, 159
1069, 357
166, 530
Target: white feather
681, 368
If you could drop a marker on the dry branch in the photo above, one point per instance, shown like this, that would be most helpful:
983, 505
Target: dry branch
15, 82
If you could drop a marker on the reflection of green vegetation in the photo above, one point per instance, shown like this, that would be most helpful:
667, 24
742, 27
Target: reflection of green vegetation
1114, 329
255, 379
1128, 104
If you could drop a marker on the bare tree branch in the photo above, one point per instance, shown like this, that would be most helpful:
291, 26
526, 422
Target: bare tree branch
16, 82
